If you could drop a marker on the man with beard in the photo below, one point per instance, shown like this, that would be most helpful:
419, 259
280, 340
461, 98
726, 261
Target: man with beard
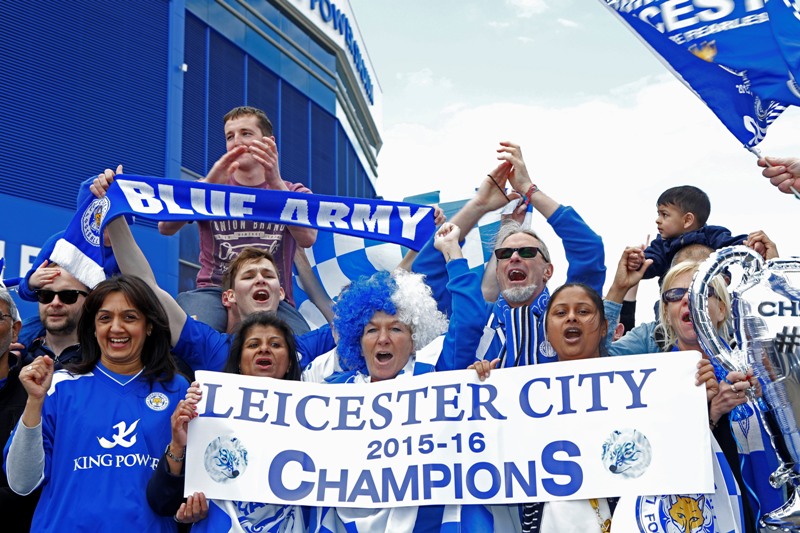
514, 331
16, 510
60, 307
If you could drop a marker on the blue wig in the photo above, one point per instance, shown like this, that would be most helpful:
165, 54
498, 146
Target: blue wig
354, 309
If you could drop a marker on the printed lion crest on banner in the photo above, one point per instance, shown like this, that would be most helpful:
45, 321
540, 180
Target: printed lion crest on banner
225, 459
626, 453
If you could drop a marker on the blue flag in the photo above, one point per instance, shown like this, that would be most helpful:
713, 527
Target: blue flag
784, 17
725, 52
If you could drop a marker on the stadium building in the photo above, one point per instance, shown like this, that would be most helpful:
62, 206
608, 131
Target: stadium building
91, 84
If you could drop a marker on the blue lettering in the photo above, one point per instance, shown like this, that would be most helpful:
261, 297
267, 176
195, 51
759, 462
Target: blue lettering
473, 471
411, 479
528, 486
762, 309
525, 395
247, 404
280, 411
275, 476
364, 486
595, 378
345, 411
324, 6
441, 402
412, 404
301, 412
787, 308
636, 389
477, 403
381, 411
429, 483
324, 484
566, 406
564, 468
211, 398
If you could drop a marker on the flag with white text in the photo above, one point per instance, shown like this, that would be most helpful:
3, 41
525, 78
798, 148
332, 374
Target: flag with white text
725, 52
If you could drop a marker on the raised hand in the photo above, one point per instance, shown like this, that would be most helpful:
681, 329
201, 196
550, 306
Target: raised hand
225, 166
103, 181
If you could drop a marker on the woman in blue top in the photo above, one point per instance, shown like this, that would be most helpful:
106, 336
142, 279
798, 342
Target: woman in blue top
263, 346
100, 427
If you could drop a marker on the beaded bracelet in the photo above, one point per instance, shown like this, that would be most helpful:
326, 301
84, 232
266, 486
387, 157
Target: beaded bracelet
172, 456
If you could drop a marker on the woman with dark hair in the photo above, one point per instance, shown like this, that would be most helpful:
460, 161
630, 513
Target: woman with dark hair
263, 346
99, 427
576, 328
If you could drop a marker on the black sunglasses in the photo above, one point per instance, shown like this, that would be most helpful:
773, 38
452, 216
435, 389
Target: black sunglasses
68, 296
526, 252
676, 294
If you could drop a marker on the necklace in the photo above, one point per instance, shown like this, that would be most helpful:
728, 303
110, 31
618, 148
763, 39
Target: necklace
605, 525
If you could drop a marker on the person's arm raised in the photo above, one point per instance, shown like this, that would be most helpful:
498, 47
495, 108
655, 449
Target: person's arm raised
521, 180
132, 261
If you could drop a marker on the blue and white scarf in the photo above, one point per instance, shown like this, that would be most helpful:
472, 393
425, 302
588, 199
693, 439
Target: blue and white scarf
81, 252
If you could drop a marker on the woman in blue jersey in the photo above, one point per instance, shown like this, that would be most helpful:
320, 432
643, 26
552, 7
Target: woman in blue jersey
263, 346
98, 428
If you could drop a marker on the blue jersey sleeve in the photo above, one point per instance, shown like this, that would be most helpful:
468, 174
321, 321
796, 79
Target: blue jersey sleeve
201, 346
467, 319
431, 264
313, 344
582, 246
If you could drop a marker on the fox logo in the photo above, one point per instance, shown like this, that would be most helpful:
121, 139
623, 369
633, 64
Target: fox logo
686, 513
120, 439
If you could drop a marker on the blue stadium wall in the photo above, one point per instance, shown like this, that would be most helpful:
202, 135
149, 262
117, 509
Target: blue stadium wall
87, 85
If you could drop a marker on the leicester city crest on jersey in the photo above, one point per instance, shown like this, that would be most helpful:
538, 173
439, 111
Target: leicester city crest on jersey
225, 459
627, 453
92, 218
677, 513
157, 401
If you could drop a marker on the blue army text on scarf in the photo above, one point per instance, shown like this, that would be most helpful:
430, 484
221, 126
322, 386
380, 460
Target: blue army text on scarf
80, 249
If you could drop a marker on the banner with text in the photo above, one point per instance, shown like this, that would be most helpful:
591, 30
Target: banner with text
616, 426
726, 52
179, 200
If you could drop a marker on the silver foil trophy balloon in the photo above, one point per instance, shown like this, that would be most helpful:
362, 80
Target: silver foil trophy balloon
765, 306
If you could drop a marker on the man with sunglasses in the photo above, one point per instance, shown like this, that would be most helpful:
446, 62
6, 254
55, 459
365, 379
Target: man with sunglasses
60, 308
514, 331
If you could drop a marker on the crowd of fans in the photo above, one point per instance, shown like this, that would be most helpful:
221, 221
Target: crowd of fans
108, 368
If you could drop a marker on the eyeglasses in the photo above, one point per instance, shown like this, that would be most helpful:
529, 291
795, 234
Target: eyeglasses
676, 294
67, 297
526, 252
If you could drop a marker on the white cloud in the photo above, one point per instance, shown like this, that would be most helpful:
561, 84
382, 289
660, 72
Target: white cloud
608, 158
498, 24
567, 23
528, 8
424, 78
526, 40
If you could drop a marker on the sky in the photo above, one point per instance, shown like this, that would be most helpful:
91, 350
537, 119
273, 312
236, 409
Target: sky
603, 125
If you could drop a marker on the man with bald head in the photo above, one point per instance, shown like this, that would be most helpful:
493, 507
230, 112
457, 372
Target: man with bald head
60, 306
